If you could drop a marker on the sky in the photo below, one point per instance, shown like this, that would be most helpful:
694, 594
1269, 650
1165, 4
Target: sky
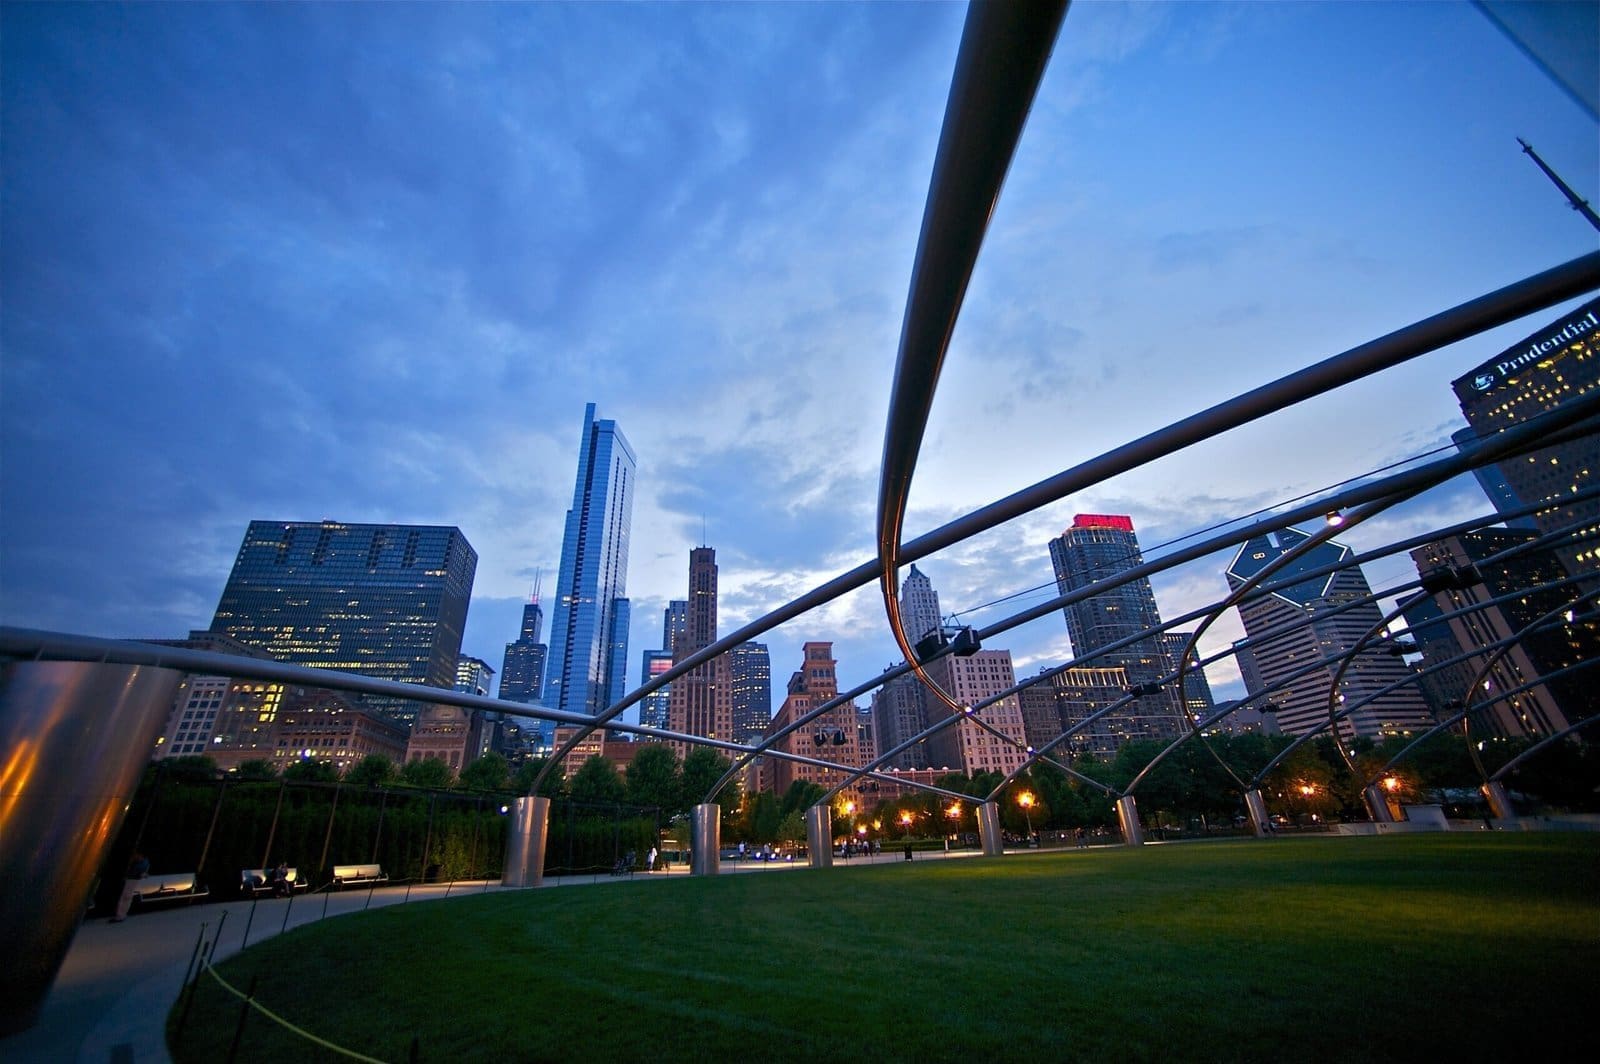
368, 262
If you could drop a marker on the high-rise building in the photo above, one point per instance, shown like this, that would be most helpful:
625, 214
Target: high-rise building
653, 707
1071, 697
1540, 650
1097, 548
589, 628
701, 700
1492, 481
203, 708
674, 623
379, 600
919, 605
750, 673
834, 736
899, 713
1558, 363
967, 746
1196, 689
475, 677
1335, 626
522, 669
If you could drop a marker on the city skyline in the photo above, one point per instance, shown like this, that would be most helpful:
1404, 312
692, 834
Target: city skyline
451, 238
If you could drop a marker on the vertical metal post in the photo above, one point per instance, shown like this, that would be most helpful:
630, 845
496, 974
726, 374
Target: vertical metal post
383, 805
327, 836
705, 839
272, 832
989, 836
1256, 806
1377, 804
75, 738
530, 829
1128, 820
1494, 792
244, 1014
216, 811
819, 836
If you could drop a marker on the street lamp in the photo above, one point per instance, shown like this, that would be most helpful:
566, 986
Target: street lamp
954, 813
1025, 799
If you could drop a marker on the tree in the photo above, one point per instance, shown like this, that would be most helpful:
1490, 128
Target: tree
792, 828
653, 779
430, 773
553, 787
374, 770
596, 781
256, 769
701, 770
308, 771
801, 795
764, 817
487, 773
191, 767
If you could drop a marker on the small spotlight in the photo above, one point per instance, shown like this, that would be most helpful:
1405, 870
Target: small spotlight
1334, 519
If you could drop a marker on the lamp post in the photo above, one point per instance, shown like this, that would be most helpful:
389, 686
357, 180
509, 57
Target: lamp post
1025, 799
954, 813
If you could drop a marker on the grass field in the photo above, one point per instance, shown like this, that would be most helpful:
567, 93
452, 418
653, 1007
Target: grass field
1447, 947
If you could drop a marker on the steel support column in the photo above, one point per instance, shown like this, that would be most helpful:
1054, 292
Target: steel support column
1377, 804
74, 739
819, 836
1494, 792
1128, 820
1256, 806
705, 839
530, 829
989, 829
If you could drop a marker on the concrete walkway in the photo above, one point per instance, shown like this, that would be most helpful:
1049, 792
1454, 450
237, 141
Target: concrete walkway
110, 1001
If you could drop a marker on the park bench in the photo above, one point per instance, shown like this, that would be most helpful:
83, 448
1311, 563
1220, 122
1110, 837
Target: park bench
346, 874
171, 887
253, 881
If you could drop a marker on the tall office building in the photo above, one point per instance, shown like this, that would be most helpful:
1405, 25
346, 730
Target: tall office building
1313, 650
835, 736
653, 707
522, 680
1558, 363
1196, 689
1068, 701
968, 747
589, 628
380, 600
701, 700
1546, 643
750, 674
1098, 548
919, 605
674, 623
899, 713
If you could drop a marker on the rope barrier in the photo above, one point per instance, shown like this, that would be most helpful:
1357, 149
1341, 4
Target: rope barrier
280, 1021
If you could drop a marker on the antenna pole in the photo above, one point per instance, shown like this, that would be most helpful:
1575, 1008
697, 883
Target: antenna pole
1578, 203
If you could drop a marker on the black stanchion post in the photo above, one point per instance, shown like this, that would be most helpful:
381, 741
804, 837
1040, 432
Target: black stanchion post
250, 920
194, 986
416, 1049
244, 1014
184, 988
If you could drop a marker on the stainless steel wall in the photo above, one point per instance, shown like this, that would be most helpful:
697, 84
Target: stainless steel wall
74, 739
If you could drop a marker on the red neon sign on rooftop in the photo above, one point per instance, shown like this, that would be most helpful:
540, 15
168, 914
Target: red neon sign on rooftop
1117, 521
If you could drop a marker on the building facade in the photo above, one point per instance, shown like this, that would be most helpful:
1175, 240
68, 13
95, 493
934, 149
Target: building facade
1293, 664
587, 669
750, 674
919, 605
701, 701
1539, 373
379, 600
900, 713
834, 736
966, 746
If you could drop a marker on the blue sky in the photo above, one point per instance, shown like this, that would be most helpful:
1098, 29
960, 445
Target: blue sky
367, 262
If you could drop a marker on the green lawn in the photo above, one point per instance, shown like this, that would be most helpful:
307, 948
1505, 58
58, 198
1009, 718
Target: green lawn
1447, 947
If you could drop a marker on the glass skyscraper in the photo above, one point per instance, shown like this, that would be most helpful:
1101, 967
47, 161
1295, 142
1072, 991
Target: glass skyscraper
379, 600
589, 626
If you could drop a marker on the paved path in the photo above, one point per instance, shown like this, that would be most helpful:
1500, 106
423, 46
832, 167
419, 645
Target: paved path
110, 1001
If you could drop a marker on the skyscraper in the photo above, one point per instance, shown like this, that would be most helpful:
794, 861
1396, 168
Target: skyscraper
653, 707
1097, 548
522, 670
589, 628
968, 747
750, 673
835, 736
1537, 374
919, 605
701, 700
380, 600
1302, 702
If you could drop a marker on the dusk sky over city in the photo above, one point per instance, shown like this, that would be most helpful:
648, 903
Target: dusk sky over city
368, 262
